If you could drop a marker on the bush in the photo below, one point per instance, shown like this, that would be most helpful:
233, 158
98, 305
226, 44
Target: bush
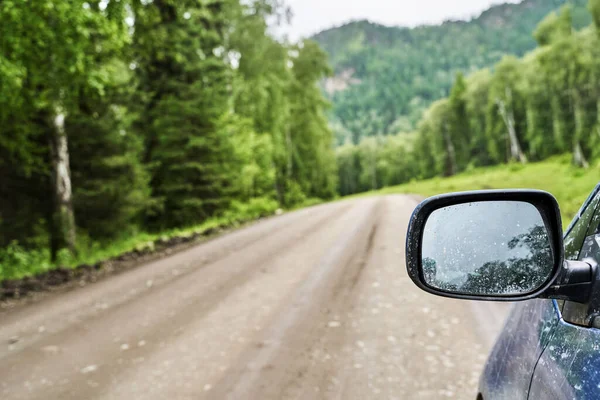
254, 209
294, 195
16, 262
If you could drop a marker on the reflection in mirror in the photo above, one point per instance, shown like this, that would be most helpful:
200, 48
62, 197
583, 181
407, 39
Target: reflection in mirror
489, 248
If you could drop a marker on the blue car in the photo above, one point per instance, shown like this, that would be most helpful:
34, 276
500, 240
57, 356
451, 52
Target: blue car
509, 246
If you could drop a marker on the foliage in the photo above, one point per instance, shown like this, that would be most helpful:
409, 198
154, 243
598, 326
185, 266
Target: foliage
186, 98
375, 163
517, 274
176, 114
554, 26
254, 209
595, 10
525, 109
17, 261
387, 76
14, 260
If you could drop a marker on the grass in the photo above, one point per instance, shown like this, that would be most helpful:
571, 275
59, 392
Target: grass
570, 185
17, 263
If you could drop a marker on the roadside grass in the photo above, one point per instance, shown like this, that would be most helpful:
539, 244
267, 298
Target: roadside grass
570, 185
17, 262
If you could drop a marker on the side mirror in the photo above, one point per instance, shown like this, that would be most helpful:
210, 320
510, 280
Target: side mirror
489, 245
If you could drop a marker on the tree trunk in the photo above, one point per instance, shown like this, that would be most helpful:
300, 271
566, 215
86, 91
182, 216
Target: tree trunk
63, 218
508, 116
578, 156
580, 127
451, 165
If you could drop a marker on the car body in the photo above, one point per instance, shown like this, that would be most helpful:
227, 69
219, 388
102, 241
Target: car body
549, 347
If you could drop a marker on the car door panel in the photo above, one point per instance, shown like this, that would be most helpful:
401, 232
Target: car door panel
568, 367
512, 361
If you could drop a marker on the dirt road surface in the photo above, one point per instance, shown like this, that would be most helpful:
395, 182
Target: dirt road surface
314, 304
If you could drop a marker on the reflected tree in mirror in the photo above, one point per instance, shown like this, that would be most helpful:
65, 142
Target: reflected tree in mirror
489, 248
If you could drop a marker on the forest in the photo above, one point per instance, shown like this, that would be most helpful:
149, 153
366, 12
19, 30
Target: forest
522, 109
120, 118
386, 77
125, 121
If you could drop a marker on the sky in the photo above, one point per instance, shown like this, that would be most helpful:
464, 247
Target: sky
312, 16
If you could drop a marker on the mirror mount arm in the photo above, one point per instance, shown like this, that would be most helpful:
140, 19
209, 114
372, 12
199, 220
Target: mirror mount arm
574, 283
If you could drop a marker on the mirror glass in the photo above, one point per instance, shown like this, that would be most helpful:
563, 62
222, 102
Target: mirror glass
490, 248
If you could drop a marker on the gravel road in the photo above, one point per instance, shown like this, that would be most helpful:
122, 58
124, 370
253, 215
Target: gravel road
314, 304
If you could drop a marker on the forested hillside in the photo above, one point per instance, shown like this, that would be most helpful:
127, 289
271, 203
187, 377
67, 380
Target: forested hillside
387, 76
121, 117
523, 109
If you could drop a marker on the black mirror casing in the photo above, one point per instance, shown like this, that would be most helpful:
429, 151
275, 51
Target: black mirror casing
545, 203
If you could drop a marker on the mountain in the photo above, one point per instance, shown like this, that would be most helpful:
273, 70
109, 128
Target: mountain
385, 77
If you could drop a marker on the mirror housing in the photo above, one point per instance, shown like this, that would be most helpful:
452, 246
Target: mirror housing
544, 202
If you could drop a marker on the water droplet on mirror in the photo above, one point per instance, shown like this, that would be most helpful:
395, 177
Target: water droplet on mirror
89, 369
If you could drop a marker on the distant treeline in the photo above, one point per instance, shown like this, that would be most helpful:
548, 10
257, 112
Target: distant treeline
523, 110
386, 77
125, 116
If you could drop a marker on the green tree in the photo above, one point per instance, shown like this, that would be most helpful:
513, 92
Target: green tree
540, 116
459, 133
505, 114
435, 129
181, 64
49, 56
554, 26
396, 162
349, 167
476, 98
594, 6
261, 85
309, 140
109, 182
